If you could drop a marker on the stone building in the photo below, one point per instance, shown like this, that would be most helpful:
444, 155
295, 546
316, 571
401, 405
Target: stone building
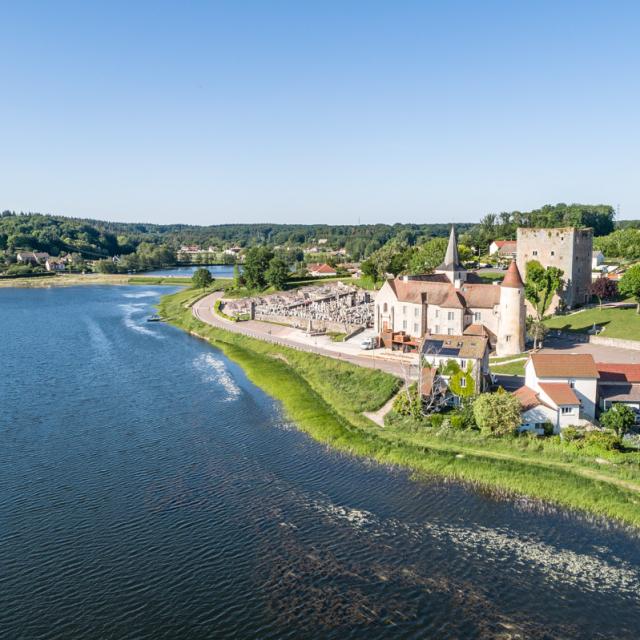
452, 302
569, 249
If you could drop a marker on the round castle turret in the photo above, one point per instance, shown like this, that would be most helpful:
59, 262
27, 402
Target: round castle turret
511, 326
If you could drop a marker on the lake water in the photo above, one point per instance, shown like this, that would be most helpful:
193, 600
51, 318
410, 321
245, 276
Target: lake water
217, 271
148, 490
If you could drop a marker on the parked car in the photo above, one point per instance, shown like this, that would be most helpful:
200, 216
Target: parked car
369, 343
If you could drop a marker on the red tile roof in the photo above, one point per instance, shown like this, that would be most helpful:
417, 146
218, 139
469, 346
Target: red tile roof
528, 398
610, 372
564, 365
512, 277
560, 392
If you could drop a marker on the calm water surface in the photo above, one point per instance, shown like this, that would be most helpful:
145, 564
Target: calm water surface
217, 271
149, 491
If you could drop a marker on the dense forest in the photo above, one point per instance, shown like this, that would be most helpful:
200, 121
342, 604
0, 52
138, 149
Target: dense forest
95, 239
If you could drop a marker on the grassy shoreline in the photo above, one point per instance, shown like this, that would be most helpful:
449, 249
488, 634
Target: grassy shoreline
326, 399
78, 279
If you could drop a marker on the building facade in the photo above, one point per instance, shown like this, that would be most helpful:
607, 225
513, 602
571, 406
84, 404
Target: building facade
569, 249
450, 301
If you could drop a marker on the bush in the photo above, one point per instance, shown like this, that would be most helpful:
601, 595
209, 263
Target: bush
602, 440
548, 428
571, 434
409, 402
497, 413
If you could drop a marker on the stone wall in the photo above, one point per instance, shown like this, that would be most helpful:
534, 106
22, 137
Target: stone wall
301, 323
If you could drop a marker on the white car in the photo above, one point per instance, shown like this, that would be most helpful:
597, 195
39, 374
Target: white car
368, 343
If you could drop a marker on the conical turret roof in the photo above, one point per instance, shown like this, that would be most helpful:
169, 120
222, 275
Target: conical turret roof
451, 260
512, 277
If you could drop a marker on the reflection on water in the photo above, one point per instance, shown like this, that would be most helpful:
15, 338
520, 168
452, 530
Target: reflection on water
150, 491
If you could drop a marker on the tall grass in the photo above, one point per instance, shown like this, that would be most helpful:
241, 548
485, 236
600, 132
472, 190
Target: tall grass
326, 398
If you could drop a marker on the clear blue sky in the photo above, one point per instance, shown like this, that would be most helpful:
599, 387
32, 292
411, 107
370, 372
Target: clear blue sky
211, 112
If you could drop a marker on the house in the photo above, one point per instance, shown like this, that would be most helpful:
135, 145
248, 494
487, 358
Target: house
462, 358
320, 270
232, 251
504, 249
54, 264
597, 260
618, 383
32, 257
449, 300
559, 388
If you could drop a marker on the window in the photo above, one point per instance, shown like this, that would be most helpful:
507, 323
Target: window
437, 328
507, 338
416, 328
566, 409
477, 316
553, 253
463, 364
463, 382
449, 332
534, 253
385, 308
404, 324
450, 315
416, 312
404, 309
437, 314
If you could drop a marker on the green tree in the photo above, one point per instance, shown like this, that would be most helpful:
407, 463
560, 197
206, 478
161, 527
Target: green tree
620, 418
497, 414
629, 284
238, 280
277, 273
256, 263
537, 329
201, 278
428, 256
541, 285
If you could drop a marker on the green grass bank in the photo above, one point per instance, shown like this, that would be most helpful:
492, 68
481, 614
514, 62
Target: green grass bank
326, 398
617, 323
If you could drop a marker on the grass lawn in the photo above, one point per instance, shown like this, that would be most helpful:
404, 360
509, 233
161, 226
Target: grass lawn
617, 323
509, 369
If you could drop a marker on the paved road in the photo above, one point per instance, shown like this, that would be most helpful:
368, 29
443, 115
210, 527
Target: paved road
374, 359
600, 353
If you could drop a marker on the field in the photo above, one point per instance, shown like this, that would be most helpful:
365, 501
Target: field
617, 323
326, 399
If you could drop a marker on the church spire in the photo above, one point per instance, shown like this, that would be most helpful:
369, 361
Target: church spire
451, 260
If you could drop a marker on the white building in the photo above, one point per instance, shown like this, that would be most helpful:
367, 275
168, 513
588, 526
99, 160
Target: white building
450, 300
559, 388
597, 260
504, 248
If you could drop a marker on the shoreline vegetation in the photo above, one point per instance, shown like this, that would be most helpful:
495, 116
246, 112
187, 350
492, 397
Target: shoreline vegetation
75, 279
327, 399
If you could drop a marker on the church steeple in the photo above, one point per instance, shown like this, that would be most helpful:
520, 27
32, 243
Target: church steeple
451, 266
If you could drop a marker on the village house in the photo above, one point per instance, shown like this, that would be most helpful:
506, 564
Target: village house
320, 270
55, 264
618, 383
463, 359
504, 249
561, 389
32, 257
450, 300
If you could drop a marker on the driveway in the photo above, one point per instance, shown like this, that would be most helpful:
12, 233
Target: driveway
600, 353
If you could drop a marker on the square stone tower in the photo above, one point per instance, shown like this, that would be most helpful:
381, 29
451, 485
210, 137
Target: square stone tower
567, 248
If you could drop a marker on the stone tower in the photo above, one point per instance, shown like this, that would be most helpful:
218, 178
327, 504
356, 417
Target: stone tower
569, 249
451, 266
511, 325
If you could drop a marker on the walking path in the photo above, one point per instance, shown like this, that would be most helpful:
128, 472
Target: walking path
398, 364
